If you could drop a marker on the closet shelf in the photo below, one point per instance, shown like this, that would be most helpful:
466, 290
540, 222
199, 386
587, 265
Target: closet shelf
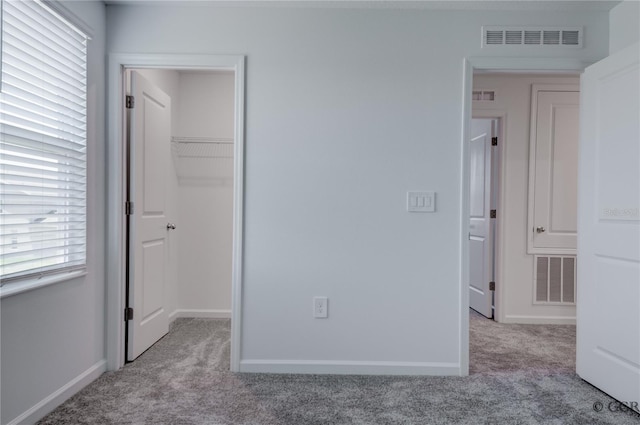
202, 147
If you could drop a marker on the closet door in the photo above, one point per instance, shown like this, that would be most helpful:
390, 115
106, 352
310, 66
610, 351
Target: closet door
150, 143
553, 170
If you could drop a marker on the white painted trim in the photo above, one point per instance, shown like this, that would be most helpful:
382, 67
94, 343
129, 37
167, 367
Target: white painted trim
20, 286
71, 18
115, 299
463, 308
529, 65
116, 188
491, 64
531, 187
347, 367
195, 313
539, 320
238, 216
56, 398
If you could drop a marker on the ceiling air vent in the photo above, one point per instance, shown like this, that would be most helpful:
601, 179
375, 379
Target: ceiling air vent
513, 37
494, 37
571, 38
551, 37
489, 95
531, 36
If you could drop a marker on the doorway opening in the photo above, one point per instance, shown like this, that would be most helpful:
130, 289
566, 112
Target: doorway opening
179, 172
190, 188
522, 259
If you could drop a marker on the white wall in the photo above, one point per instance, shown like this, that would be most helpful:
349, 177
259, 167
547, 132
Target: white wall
624, 25
346, 110
206, 104
206, 109
53, 337
205, 252
513, 97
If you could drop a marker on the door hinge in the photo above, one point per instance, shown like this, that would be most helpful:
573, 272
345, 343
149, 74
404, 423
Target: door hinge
492, 286
128, 208
494, 141
492, 214
128, 314
130, 102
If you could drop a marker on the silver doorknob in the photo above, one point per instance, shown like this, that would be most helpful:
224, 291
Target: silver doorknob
171, 226
540, 229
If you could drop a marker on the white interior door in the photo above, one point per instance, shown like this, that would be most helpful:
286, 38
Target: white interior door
150, 143
480, 227
554, 167
608, 304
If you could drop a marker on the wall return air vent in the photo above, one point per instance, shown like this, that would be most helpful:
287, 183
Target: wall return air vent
554, 279
531, 36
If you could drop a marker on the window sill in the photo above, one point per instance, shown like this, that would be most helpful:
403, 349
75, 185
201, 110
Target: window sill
19, 287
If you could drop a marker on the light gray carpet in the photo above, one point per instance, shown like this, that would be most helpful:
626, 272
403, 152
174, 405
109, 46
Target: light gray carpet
520, 375
496, 347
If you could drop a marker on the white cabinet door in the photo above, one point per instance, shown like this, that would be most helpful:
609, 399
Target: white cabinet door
150, 144
553, 185
480, 226
608, 304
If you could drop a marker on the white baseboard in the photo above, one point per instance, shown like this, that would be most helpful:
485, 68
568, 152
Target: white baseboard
208, 314
53, 400
539, 320
350, 367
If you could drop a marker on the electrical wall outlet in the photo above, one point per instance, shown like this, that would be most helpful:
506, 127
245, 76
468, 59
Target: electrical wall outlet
320, 307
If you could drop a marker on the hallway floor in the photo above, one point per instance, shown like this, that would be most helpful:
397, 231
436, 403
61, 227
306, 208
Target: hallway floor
498, 347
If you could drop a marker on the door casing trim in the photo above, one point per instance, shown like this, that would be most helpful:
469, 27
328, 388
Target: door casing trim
116, 189
490, 64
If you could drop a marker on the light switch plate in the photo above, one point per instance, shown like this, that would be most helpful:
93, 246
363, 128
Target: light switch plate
422, 201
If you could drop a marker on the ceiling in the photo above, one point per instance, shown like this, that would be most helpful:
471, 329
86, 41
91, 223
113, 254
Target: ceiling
521, 5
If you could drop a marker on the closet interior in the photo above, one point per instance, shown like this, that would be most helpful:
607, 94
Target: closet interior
200, 187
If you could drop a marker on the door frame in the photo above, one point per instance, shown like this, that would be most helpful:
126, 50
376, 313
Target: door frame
498, 65
116, 189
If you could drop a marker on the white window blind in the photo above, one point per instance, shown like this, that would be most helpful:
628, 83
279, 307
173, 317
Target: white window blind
43, 132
